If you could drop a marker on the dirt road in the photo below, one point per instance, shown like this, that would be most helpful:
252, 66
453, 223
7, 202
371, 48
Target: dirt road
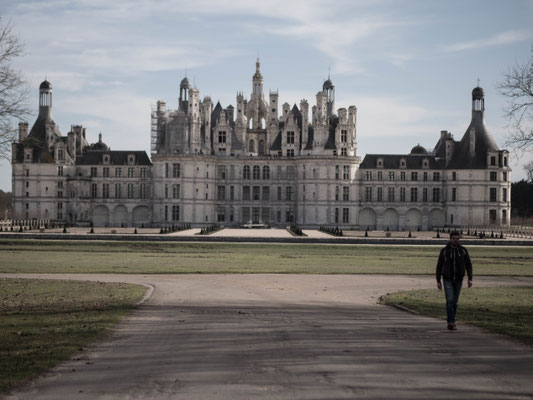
288, 337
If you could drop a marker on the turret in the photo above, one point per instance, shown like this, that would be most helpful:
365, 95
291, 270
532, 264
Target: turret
185, 86
257, 81
329, 88
45, 100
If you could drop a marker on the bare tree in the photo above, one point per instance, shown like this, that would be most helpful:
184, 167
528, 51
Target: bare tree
14, 90
517, 86
529, 171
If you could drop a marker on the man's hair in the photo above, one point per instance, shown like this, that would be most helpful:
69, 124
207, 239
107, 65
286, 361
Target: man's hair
454, 233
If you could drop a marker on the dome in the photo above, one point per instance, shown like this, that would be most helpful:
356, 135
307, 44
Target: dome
477, 93
418, 150
99, 146
45, 85
185, 83
328, 85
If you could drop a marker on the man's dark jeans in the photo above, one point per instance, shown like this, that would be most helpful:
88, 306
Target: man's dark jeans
452, 289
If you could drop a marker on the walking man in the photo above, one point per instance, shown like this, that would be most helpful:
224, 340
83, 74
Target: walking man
453, 261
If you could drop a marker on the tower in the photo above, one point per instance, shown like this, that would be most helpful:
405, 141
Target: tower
185, 86
329, 88
257, 81
45, 100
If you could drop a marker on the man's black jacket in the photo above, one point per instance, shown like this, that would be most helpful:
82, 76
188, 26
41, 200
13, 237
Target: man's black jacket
453, 262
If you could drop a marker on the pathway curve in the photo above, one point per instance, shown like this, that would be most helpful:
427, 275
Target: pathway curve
244, 337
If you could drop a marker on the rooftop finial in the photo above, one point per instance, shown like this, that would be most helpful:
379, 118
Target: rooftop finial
477, 82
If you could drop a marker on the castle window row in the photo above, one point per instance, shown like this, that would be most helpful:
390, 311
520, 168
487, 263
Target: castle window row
133, 191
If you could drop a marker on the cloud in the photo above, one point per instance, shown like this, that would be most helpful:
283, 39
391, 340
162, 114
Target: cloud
496, 40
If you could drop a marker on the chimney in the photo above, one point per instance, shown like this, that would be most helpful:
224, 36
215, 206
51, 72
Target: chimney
23, 130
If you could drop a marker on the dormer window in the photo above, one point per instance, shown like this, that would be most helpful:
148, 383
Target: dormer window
131, 159
106, 158
425, 163
492, 160
380, 162
402, 163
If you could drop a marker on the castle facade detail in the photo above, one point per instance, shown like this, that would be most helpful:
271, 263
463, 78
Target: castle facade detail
258, 164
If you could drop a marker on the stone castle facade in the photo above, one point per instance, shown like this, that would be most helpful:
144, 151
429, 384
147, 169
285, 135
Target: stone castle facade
258, 164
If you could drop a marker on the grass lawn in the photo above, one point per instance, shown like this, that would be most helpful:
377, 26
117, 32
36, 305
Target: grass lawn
43, 322
507, 310
30, 256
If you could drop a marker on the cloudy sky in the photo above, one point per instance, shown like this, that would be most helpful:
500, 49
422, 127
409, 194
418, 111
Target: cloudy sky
409, 66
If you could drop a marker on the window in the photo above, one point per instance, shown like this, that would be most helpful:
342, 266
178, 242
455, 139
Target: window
221, 214
414, 195
232, 192
402, 163
118, 191
391, 175
402, 194
337, 172
505, 161
251, 146
94, 172
166, 213
291, 172
266, 193
402, 176
246, 172
94, 190
265, 214
221, 193
290, 152
221, 172
504, 216
436, 176
290, 137
118, 172
59, 184
493, 194
380, 175
368, 175
256, 172
344, 152
289, 215
390, 194
59, 193
131, 172
60, 154
232, 172
425, 176
425, 195
492, 160
368, 193
414, 176
436, 195
492, 216
336, 193
344, 136
221, 136
246, 192
166, 190
59, 210
175, 212
105, 190
143, 191
454, 194
504, 194
346, 172
493, 176
380, 194
288, 192
144, 172
279, 194
176, 170
345, 215
504, 176
454, 176
279, 174
106, 172
166, 170
345, 193
175, 191
336, 215
131, 193
255, 193
266, 172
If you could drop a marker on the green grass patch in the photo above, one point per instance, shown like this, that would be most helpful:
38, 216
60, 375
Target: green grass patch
25, 256
506, 310
43, 322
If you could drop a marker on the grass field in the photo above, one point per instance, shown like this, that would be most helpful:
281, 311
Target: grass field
26, 256
507, 310
43, 322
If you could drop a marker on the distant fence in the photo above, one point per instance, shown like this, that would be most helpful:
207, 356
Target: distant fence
513, 231
16, 225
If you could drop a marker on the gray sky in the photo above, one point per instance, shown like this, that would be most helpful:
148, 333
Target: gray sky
408, 66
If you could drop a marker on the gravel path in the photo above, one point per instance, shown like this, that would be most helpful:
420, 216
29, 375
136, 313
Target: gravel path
287, 337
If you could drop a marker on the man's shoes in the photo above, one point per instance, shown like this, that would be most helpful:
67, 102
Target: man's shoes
454, 326
450, 327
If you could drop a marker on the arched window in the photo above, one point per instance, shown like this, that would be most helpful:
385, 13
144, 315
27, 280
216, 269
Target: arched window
257, 172
263, 123
251, 123
261, 150
251, 146
246, 172
266, 172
